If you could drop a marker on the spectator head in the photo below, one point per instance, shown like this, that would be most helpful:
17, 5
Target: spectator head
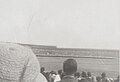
69, 66
103, 75
42, 69
84, 74
98, 78
59, 72
77, 74
89, 74
53, 72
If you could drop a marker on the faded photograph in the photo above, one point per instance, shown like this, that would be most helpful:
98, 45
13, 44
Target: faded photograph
59, 40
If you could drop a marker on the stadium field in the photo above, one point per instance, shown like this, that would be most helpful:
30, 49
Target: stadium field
96, 66
93, 60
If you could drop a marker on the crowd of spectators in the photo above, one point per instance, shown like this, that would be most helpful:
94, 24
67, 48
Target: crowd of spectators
70, 71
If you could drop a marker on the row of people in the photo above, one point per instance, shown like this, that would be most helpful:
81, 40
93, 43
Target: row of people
81, 77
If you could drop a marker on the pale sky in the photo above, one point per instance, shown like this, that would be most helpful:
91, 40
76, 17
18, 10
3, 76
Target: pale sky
62, 23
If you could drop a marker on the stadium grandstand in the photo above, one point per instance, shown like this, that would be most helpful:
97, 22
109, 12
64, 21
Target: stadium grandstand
94, 60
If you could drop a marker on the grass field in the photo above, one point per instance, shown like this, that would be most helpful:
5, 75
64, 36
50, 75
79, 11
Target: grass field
96, 66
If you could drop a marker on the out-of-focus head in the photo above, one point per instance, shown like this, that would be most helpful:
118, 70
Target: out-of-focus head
42, 69
103, 75
53, 72
18, 64
89, 74
84, 74
77, 74
60, 72
69, 66
98, 78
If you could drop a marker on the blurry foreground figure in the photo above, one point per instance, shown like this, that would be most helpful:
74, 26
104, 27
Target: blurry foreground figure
18, 64
69, 68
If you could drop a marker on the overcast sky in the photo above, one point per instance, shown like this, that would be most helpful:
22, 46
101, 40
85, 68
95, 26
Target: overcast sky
62, 23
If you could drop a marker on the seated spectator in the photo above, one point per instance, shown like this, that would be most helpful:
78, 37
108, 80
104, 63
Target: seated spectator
42, 70
77, 75
18, 64
58, 76
83, 77
52, 76
98, 78
69, 68
89, 77
104, 78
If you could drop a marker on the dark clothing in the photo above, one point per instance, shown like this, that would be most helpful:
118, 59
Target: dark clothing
69, 79
62, 75
44, 74
83, 80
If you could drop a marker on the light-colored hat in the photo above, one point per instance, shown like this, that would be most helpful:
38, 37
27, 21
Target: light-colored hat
18, 64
